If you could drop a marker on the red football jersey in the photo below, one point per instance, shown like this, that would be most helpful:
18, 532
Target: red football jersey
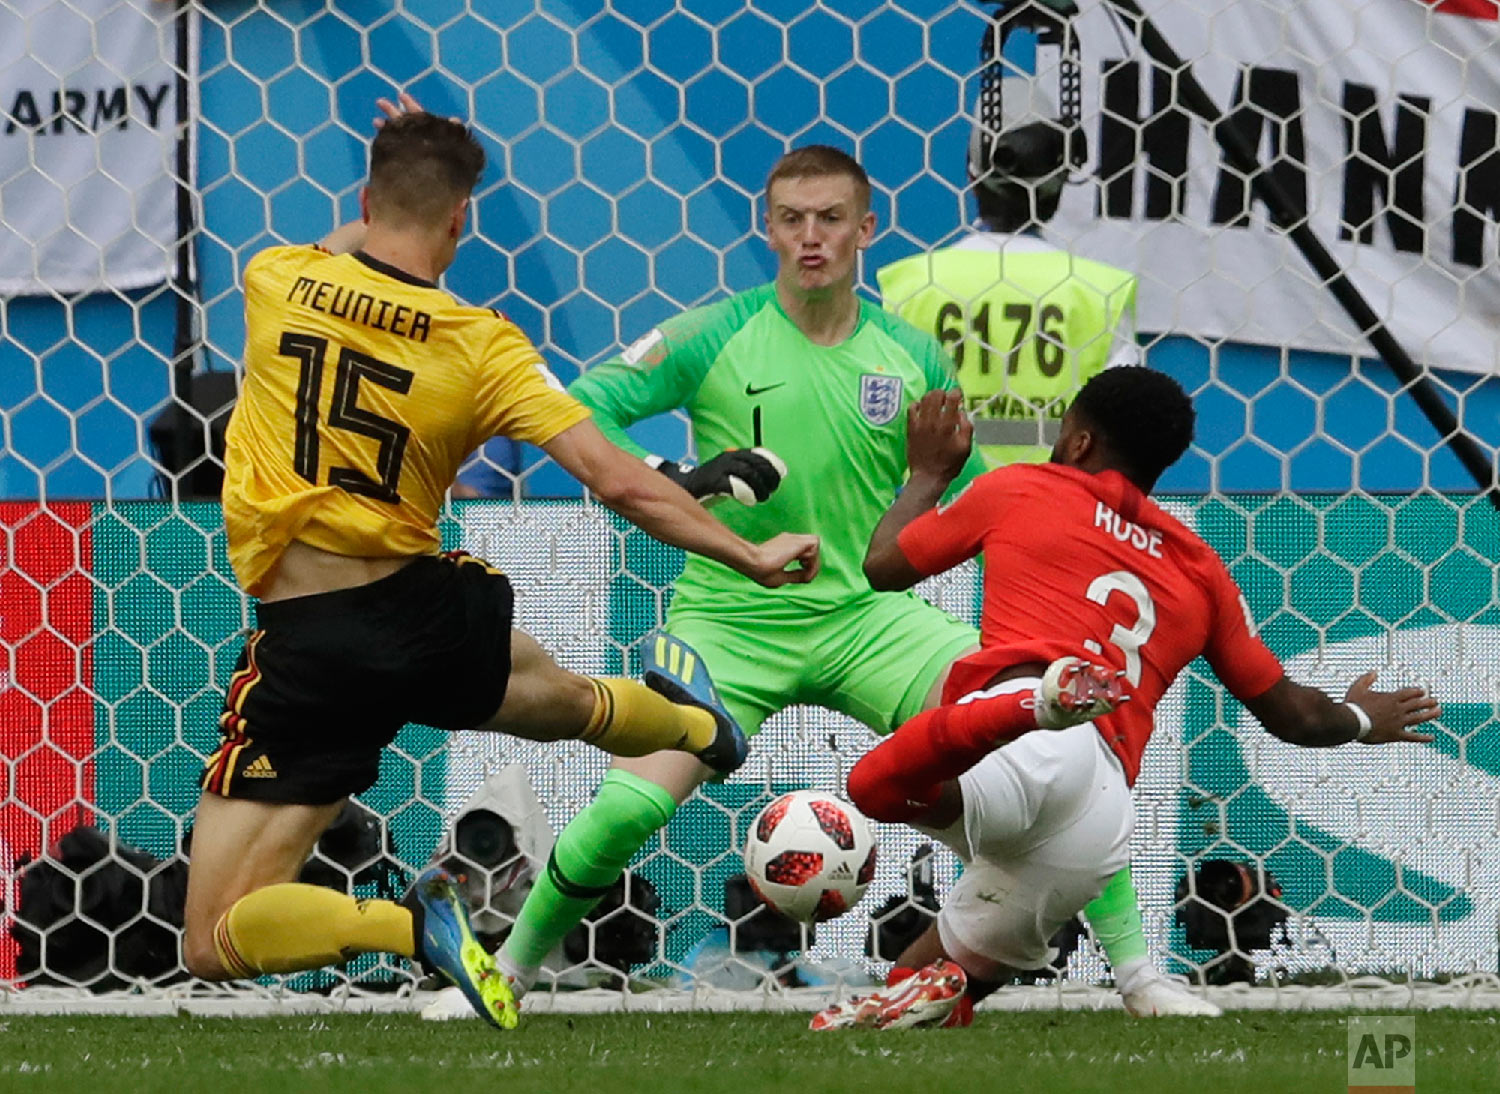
1086, 565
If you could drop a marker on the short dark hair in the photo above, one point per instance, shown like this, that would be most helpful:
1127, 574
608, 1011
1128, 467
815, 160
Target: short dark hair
421, 165
1143, 416
819, 161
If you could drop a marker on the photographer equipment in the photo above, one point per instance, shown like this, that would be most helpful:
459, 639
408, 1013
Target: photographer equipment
622, 931
498, 844
88, 889
1232, 908
755, 946
484, 838
902, 918
1022, 152
755, 925
354, 850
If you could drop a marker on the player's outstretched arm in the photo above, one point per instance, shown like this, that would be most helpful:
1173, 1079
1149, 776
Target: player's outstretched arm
658, 506
1306, 716
939, 436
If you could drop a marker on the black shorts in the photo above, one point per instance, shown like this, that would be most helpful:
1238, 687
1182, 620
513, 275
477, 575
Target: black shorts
327, 681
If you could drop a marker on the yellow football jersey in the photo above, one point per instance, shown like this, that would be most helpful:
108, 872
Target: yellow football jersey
364, 390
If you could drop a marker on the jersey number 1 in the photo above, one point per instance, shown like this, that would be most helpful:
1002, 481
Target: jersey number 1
346, 413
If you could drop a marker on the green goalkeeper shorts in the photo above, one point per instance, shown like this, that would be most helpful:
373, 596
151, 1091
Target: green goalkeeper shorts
875, 659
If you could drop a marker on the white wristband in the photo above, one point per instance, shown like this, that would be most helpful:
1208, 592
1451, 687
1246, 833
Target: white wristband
1365, 725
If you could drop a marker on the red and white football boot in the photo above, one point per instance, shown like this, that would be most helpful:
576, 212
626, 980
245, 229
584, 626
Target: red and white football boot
927, 998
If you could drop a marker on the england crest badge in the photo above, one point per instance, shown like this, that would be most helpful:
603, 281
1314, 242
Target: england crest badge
879, 398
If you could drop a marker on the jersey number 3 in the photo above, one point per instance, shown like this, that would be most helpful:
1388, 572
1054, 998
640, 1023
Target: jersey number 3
346, 413
1128, 639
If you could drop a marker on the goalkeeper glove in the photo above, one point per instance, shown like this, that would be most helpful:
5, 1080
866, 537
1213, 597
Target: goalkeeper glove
748, 475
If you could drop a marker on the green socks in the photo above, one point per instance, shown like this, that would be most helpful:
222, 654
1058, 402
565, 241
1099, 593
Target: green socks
590, 855
1115, 916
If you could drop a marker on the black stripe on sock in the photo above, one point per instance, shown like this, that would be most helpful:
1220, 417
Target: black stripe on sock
570, 888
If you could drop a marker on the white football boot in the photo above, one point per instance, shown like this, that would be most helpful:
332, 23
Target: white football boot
925, 999
1153, 995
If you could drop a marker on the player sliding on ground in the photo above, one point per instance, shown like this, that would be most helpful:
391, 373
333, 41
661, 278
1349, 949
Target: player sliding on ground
365, 386
1094, 600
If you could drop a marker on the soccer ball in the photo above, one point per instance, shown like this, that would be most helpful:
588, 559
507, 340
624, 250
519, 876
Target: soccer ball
810, 855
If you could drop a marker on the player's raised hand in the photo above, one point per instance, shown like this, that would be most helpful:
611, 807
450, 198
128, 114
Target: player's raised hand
938, 435
787, 559
1393, 713
406, 103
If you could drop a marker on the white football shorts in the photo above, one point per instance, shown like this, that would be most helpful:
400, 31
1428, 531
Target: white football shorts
1046, 824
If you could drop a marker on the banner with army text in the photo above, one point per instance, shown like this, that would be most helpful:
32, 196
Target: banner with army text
1380, 119
95, 152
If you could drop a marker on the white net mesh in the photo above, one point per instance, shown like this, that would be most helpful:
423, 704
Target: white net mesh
629, 147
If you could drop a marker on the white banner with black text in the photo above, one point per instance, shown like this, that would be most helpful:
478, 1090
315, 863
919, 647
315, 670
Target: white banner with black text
90, 162
1379, 117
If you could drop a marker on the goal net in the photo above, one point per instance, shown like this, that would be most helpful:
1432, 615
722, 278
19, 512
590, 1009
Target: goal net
148, 151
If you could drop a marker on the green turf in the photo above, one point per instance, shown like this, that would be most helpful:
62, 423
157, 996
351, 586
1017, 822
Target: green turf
724, 1054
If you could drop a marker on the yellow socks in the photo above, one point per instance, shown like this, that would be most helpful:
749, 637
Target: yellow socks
630, 719
291, 927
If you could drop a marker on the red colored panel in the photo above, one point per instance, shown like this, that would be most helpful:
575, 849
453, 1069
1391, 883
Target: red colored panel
46, 672
1473, 9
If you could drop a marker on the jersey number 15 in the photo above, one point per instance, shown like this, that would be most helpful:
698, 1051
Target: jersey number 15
346, 413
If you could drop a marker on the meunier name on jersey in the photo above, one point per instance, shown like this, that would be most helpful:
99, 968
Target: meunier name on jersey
1127, 532
342, 302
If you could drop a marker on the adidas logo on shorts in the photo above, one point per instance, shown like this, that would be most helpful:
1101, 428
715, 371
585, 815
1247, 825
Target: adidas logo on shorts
260, 768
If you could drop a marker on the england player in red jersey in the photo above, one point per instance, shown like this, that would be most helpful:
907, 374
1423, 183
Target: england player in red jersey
1095, 598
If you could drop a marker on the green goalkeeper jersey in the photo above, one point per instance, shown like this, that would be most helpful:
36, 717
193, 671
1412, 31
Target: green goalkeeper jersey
747, 376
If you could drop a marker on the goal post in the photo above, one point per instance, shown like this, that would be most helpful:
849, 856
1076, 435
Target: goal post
628, 147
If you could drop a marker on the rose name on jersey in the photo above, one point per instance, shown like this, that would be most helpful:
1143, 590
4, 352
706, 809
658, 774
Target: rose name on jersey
1142, 539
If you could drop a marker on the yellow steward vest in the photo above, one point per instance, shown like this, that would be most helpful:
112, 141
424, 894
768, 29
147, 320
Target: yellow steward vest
1025, 328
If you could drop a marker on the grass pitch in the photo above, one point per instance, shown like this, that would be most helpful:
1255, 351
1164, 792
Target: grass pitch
1254, 1053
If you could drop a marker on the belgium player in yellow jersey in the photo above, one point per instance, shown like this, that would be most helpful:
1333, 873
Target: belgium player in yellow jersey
365, 386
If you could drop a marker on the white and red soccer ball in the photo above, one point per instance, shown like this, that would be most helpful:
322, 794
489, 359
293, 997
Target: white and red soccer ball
810, 855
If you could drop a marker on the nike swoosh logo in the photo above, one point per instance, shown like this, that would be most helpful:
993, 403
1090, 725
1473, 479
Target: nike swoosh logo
751, 389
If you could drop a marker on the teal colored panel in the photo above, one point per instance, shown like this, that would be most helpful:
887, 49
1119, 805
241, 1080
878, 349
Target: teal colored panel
1319, 571
172, 624
170, 619
639, 595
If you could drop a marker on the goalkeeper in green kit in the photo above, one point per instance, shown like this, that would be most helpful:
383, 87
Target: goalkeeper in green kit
797, 391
